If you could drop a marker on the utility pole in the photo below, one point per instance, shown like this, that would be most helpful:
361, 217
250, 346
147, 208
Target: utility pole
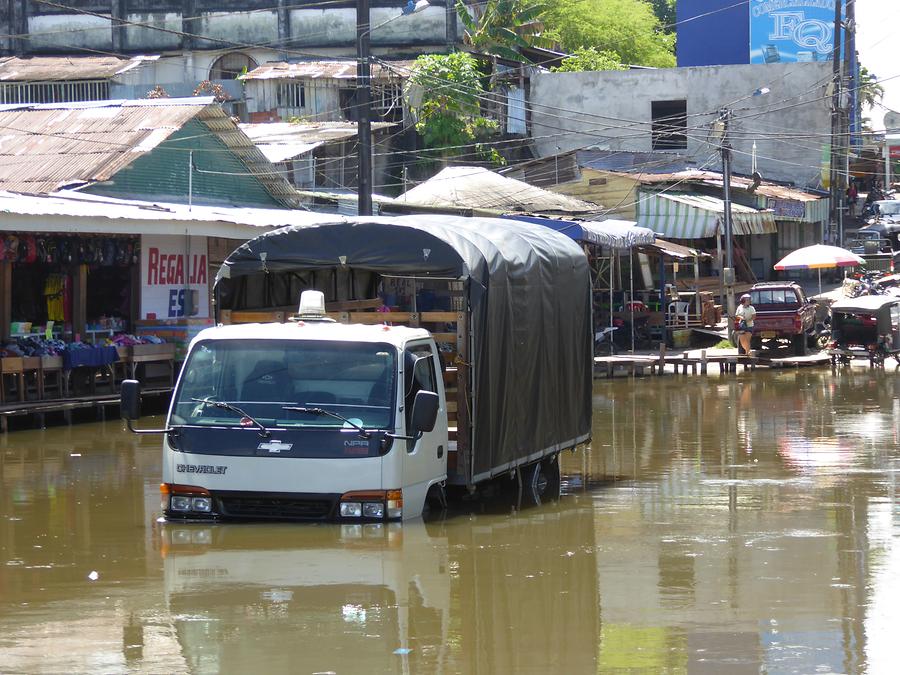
728, 270
847, 110
833, 171
363, 109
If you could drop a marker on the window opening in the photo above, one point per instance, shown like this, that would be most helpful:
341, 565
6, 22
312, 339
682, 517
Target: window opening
669, 126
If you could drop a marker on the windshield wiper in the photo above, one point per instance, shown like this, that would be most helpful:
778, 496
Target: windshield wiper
364, 433
265, 433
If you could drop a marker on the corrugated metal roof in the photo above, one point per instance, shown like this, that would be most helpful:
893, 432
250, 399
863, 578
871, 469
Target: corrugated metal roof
714, 178
677, 251
327, 70
67, 68
693, 216
44, 148
478, 188
631, 162
280, 141
45, 213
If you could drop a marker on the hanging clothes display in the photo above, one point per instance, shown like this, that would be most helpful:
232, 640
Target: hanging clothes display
55, 293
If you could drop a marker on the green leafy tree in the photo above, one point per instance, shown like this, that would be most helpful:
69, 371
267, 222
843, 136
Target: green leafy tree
590, 59
502, 27
870, 91
665, 12
448, 114
627, 27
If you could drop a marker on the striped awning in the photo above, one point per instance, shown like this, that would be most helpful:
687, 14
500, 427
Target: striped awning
695, 216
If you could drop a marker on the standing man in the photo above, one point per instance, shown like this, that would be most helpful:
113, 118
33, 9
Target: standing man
852, 198
745, 315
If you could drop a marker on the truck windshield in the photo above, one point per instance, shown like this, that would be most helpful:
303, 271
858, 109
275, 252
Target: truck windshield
262, 377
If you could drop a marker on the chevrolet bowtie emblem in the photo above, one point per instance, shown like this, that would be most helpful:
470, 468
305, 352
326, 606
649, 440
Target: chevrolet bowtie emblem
275, 446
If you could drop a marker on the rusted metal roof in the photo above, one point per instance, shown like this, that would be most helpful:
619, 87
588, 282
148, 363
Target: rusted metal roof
47, 147
714, 178
67, 68
326, 70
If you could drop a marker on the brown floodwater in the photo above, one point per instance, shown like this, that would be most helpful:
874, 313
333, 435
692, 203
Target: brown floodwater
740, 524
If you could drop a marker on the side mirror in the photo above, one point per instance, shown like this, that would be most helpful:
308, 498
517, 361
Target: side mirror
130, 400
424, 411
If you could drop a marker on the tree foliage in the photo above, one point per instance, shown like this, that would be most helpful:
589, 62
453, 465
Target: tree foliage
870, 91
627, 27
665, 12
448, 115
590, 59
502, 27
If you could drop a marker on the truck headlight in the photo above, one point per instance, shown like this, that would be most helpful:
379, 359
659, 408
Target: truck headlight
180, 503
201, 504
351, 510
373, 509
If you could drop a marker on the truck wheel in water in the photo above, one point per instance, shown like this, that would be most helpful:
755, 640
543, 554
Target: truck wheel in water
435, 501
541, 481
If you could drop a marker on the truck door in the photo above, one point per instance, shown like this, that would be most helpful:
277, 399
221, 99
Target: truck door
425, 459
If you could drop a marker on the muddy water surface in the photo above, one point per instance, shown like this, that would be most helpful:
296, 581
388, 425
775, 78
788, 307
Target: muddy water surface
742, 524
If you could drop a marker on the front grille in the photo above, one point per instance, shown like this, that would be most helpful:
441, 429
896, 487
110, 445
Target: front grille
257, 507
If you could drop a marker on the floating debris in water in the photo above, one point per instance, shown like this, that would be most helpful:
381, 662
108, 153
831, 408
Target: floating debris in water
94, 575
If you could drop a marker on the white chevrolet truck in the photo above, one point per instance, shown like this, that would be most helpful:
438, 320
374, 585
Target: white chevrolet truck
336, 415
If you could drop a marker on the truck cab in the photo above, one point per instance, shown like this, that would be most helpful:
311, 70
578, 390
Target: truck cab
308, 420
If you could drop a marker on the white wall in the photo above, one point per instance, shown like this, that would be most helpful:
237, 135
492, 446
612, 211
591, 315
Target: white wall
611, 110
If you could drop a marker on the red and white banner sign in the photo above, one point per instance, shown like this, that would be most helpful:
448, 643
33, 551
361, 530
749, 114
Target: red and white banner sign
174, 277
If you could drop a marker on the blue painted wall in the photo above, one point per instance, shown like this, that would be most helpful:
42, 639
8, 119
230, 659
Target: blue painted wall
722, 37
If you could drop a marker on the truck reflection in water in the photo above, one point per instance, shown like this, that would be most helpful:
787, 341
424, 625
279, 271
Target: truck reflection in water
478, 594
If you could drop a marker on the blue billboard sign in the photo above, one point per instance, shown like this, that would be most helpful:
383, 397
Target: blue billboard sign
791, 31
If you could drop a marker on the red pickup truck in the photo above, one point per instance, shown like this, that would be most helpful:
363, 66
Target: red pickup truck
783, 312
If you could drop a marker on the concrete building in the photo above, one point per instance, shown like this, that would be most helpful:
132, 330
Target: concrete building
203, 40
323, 91
784, 109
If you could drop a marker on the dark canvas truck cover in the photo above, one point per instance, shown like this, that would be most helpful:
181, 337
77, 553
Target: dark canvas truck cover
528, 293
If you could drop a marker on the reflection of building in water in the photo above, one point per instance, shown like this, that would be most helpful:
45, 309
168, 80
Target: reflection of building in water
736, 521
486, 594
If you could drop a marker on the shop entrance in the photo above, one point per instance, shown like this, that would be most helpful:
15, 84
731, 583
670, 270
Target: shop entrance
62, 299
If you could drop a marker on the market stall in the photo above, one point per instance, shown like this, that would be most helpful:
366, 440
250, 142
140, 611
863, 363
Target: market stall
68, 301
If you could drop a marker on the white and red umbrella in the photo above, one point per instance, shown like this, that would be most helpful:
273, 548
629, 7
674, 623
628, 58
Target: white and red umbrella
818, 257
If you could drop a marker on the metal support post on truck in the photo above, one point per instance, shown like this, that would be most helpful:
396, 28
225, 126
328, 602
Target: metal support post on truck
345, 415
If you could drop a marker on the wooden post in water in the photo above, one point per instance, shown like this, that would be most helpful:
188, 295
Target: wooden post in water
662, 358
703, 362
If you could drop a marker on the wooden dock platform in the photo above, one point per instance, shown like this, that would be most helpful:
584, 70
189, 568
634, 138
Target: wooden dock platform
697, 362
39, 410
